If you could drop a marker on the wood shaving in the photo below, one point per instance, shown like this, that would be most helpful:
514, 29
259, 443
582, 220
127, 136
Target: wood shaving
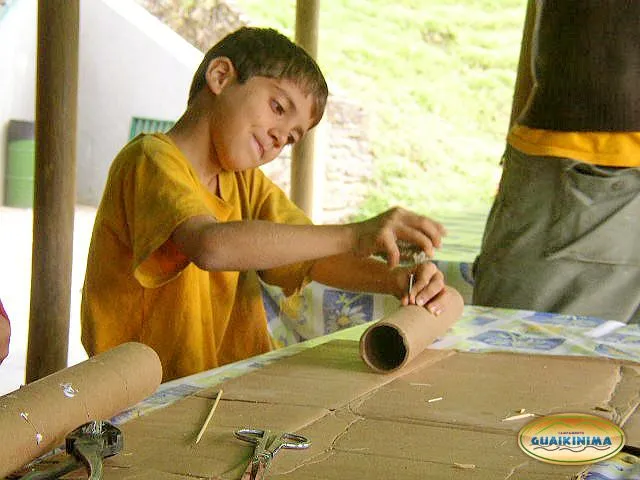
465, 466
518, 417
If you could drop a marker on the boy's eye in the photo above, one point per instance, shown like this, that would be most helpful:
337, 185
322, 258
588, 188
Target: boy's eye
277, 107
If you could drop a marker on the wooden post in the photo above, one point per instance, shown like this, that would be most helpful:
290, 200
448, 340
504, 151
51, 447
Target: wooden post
302, 155
524, 78
55, 174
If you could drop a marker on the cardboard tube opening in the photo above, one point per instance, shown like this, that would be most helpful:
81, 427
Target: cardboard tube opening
385, 348
394, 341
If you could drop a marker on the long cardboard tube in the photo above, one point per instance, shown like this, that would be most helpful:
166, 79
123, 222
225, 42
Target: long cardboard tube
392, 342
36, 418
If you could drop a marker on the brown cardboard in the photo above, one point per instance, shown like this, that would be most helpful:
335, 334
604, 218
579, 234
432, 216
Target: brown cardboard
329, 380
371, 448
482, 390
632, 430
367, 425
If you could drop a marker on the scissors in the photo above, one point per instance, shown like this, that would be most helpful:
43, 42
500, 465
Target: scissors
267, 444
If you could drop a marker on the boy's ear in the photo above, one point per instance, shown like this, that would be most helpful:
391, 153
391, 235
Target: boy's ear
220, 73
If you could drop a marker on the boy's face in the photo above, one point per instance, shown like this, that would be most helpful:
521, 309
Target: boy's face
252, 122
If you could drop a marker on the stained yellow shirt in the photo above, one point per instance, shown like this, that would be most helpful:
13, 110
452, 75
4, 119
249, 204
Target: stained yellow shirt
136, 288
610, 149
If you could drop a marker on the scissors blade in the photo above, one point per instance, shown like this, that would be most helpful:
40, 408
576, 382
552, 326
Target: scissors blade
259, 460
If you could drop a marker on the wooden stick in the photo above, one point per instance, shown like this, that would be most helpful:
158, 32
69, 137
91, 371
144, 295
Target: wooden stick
206, 422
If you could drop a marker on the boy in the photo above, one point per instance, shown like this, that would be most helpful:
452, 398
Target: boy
188, 222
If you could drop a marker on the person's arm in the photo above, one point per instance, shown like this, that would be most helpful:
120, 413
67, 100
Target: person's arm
349, 272
5, 333
524, 79
260, 245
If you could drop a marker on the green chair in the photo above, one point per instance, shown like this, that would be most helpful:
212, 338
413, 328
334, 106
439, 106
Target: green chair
148, 125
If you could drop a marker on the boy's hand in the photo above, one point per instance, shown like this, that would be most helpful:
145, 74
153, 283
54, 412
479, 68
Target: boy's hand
380, 234
428, 284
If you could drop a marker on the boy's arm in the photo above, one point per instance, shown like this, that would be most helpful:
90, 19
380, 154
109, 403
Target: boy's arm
357, 274
353, 273
260, 245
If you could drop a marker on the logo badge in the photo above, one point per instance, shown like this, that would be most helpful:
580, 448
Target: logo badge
571, 439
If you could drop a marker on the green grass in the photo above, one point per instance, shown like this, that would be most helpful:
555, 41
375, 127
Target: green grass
437, 79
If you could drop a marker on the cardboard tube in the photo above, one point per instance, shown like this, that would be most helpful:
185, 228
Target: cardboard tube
392, 342
36, 418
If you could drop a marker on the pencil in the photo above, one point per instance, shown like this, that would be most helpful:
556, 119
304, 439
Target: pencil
206, 422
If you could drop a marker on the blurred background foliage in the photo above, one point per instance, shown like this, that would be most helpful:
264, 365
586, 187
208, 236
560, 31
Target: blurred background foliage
436, 78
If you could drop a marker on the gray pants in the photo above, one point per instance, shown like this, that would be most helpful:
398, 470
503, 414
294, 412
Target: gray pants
562, 236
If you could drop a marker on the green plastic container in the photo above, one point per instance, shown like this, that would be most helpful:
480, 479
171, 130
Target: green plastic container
20, 165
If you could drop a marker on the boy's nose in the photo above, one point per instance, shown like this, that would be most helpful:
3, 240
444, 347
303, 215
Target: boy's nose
279, 138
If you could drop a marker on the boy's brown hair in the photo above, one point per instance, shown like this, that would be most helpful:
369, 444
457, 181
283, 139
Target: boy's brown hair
267, 53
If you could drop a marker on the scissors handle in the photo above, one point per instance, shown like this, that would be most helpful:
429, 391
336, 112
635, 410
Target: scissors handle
292, 440
251, 435
265, 445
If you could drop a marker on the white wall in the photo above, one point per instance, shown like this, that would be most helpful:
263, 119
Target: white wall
130, 65
17, 70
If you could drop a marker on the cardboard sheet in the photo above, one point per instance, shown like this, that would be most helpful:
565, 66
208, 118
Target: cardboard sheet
441, 417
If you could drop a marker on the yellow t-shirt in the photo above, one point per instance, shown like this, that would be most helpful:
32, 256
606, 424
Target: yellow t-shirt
135, 287
610, 149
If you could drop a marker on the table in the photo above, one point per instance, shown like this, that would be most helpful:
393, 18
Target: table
479, 330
